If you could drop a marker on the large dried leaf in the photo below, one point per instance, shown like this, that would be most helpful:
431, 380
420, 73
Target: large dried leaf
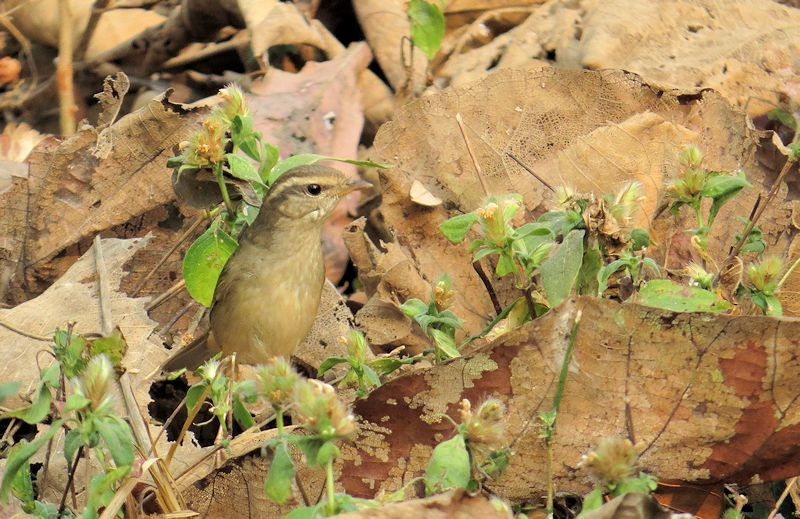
95, 180
592, 131
741, 48
711, 398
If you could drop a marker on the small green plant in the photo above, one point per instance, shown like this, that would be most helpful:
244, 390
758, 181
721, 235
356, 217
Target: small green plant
763, 283
436, 320
325, 422
698, 184
230, 148
477, 451
77, 391
364, 374
612, 465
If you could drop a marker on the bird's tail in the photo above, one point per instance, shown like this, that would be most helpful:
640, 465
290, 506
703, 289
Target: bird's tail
192, 355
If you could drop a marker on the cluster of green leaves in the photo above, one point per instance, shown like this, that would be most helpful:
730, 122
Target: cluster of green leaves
77, 390
364, 374
698, 184
426, 21
436, 320
476, 451
229, 146
589, 243
545, 256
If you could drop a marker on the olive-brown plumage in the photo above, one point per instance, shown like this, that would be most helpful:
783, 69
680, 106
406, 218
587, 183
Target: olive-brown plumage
269, 291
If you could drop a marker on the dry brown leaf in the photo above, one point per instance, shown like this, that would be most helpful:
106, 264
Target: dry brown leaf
17, 141
94, 181
712, 398
741, 48
593, 131
317, 110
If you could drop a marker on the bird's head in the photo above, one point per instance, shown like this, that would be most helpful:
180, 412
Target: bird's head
309, 192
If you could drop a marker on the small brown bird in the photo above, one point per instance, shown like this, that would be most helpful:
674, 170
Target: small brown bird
269, 291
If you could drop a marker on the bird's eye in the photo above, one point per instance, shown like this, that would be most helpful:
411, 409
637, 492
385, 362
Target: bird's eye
313, 189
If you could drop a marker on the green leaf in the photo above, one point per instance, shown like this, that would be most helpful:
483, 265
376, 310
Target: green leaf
666, 294
20, 457
783, 117
304, 159
413, 307
449, 466
427, 26
117, 435
639, 239
592, 501
76, 402
445, 343
505, 265
37, 411
587, 282
327, 453
328, 363
278, 486
244, 137
722, 188
204, 262
113, 347
455, 229
560, 271
193, 395
768, 303
388, 365
241, 414
643, 484
243, 169
22, 485
72, 441
269, 157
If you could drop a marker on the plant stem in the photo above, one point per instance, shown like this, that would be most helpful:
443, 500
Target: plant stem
788, 273
70, 479
279, 420
331, 507
223, 189
551, 431
549, 472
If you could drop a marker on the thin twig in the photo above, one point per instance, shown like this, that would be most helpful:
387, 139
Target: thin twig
66, 95
202, 218
25, 44
167, 326
70, 481
529, 170
790, 161
97, 11
488, 285
174, 289
790, 483
16, 330
478, 170
104, 289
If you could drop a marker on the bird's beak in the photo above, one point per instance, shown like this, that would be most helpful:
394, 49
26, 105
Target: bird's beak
354, 185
